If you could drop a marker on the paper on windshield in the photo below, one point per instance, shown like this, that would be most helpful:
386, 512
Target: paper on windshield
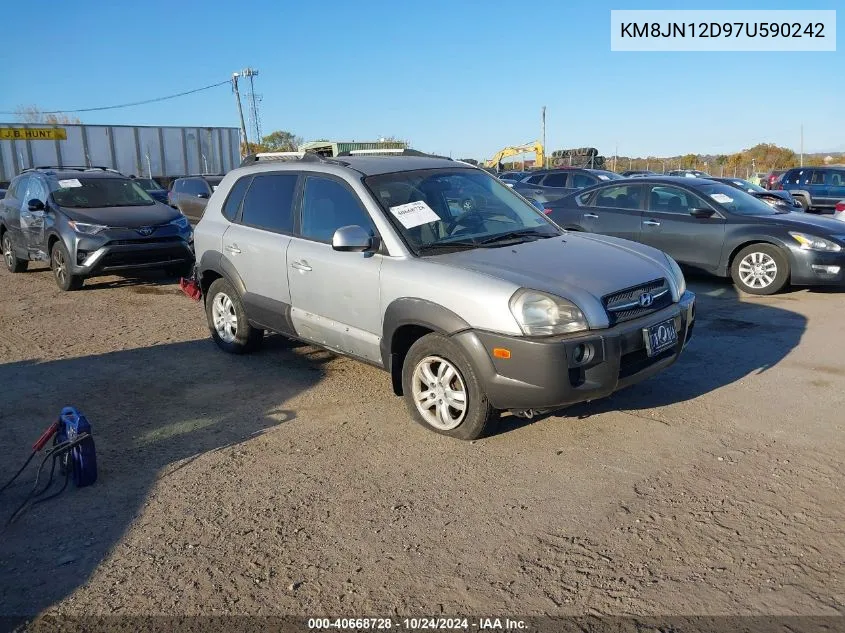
69, 183
602, 177
414, 214
721, 198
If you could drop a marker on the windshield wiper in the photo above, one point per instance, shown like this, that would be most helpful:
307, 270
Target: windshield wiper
437, 246
516, 235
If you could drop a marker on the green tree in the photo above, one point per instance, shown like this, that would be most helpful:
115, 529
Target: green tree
281, 141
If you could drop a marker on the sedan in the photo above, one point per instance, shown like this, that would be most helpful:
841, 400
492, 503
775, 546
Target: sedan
712, 227
781, 199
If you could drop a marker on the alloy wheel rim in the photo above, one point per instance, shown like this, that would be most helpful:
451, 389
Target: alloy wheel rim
7, 251
758, 270
59, 265
224, 317
439, 393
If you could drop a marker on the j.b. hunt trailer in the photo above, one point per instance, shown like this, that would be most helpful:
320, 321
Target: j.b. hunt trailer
154, 152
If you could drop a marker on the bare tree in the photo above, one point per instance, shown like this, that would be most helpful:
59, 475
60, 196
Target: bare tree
34, 114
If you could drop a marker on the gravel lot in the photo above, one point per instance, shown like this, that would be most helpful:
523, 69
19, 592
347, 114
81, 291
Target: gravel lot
293, 482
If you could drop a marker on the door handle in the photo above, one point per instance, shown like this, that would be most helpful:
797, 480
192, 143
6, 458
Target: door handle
591, 215
650, 223
233, 248
301, 265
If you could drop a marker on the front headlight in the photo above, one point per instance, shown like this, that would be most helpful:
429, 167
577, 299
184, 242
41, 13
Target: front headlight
678, 274
542, 314
182, 222
813, 243
86, 229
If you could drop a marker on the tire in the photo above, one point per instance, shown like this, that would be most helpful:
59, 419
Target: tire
13, 263
227, 320
59, 263
433, 352
803, 202
758, 264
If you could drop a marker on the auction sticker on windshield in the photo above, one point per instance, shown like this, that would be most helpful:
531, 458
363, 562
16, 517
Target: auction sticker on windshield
722, 198
69, 183
414, 214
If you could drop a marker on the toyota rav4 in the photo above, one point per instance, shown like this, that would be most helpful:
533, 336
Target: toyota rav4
472, 299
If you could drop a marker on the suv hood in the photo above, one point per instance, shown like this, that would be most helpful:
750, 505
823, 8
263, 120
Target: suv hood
572, 266
124, 217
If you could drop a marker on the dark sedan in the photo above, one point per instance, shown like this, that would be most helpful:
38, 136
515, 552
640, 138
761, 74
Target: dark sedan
152, 187
781, 199
712, 227
551, 184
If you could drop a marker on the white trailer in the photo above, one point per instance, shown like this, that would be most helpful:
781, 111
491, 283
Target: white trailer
153, 152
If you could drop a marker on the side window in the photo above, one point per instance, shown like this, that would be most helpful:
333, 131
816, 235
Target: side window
36, 190
18, 187
673, 200
327, 206
555, 180
818, 177
836, 178
236, 196
179, 185
535, 180
619, 197
267, 204
579, 181
195, 186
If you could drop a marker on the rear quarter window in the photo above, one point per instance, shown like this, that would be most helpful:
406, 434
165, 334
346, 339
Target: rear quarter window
235, 198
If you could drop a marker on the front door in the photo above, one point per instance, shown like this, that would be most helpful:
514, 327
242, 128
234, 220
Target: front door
32, 222
615, 210
256, 245
668, 225
336, 296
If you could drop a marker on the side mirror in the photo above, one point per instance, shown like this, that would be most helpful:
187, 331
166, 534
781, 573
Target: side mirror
701, 213
205, 196
35, 205
352, 239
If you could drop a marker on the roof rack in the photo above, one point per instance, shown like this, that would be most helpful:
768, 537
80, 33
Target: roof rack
73, 168
306, 157
391, 152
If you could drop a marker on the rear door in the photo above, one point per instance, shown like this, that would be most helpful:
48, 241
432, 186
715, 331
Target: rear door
10, 210
668, 225
819, 187
193, 197
336, 296
615, 210
256, 244
33, 222
836, 186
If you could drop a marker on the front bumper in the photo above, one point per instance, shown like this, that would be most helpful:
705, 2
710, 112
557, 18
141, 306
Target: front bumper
811, 268
125, 250
542, 373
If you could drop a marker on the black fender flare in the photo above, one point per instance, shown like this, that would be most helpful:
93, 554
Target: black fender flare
213, 261
418, 312
803, 193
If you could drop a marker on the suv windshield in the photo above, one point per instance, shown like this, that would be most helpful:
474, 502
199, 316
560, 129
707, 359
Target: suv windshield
439, 209
736, 201
95, 193
148, 184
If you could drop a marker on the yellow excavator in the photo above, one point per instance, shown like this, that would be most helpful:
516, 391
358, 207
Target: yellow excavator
536, 147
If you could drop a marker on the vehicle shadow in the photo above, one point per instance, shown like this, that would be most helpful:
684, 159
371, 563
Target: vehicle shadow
152, 411
734, 336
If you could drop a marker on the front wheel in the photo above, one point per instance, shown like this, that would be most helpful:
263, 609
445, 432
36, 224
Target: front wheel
442, 390
60, 263
13, 263
228, 322
760, 269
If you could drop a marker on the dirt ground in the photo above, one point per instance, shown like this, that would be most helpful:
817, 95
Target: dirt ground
294, 482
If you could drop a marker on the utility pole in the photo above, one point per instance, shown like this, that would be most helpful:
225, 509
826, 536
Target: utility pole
240, 109
615, 156
802, 145
256, 121
544, 136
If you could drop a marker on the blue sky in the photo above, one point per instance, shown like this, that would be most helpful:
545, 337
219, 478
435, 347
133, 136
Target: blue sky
465, 77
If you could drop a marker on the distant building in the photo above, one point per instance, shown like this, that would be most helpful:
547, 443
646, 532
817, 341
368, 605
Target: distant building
333, 148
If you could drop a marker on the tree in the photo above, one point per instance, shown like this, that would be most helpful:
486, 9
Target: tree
281, 141
34, 114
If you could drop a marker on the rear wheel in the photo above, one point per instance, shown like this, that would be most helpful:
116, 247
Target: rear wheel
760, 269
13, 263
60, 263
227, 320
442, 390
805, 205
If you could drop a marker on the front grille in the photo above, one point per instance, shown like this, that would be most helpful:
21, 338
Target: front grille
152, 240
139, 258
624, 305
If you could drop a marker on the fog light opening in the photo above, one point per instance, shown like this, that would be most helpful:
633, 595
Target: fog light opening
583, 353
80, 256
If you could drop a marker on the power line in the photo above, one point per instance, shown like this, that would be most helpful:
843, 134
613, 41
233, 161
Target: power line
128, 105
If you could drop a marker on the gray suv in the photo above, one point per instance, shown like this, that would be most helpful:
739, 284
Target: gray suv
471, 298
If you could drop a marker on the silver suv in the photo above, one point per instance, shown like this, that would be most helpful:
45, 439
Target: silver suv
437, 272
